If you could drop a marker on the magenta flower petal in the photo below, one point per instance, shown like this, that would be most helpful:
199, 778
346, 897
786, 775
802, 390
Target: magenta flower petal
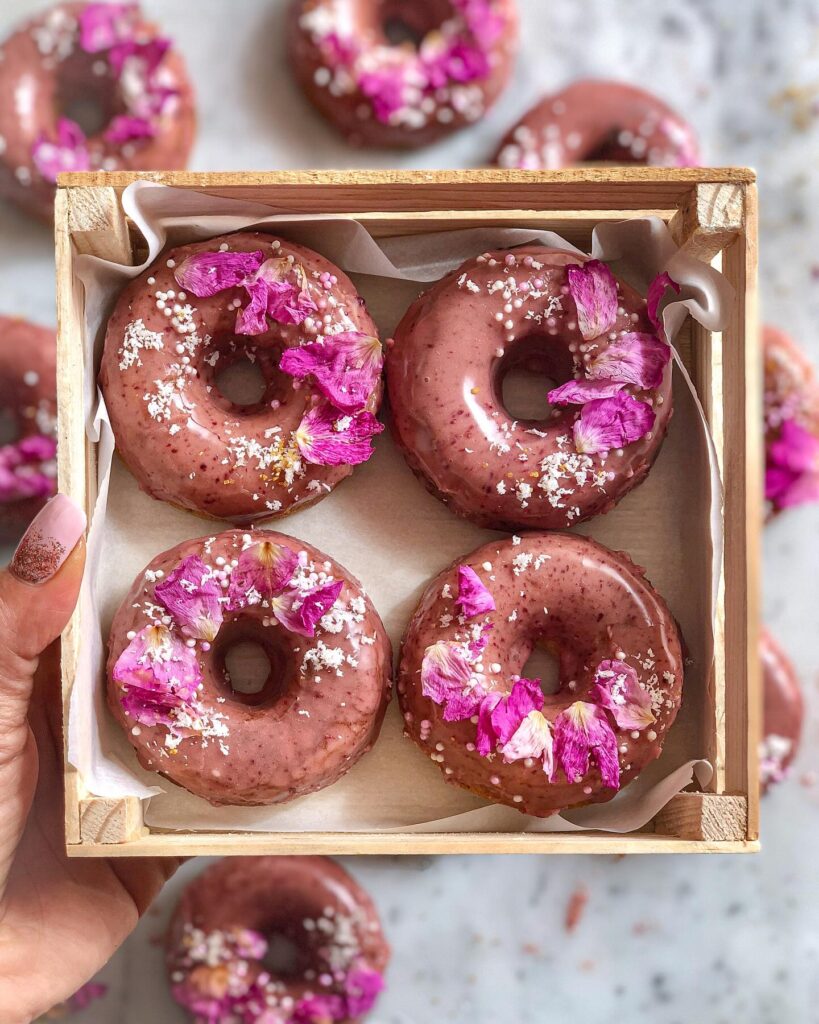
327, 436
362, 988
288, 293
532, 738
126, 128
264, 570
525, 696
68, 153
792, 467
634, 358
159, 675
191, 595
87, 994
207, 273
299, 613
656, 292
578, 392
384, 87
252, 318
473, 597
103, 25
320, 1009
27, 468
345, 367
618, 690
486, 738
580, 732
609, 423
594, 291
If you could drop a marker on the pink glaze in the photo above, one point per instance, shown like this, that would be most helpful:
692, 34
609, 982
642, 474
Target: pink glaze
28, 414
185, 442
783, 714
451, 351
44, 66
595, 120
319, 711
791, 416
225, 919
382, 93
583, 603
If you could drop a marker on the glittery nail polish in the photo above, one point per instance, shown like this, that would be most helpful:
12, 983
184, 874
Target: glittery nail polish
48, 541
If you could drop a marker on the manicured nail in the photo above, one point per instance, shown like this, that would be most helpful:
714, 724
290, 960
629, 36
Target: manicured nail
48, 541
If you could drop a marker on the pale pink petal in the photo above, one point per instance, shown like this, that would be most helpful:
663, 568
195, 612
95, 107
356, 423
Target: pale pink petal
578, 392
634, 358
594, 291
473, 597
264, 570
618, 689
486, 738
345, 367
581, 732
532, 738
299, 612
103, 25
159, 675
192, 596
525, 696
656, 292
68, 153
327, 436
445, 670
207, 273
609, 423
126, 128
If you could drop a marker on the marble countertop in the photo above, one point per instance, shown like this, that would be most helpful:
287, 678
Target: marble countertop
712, 939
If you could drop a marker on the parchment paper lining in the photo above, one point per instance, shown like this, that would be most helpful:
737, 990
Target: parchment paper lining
386, 529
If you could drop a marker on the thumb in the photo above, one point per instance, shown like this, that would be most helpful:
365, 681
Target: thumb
37, 595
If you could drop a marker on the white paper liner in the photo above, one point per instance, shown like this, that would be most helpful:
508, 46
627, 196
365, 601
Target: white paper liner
385, 528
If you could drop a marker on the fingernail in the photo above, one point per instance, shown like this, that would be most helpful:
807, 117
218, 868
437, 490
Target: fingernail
48, 541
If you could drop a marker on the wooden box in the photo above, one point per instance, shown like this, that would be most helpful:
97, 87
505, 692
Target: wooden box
712, 214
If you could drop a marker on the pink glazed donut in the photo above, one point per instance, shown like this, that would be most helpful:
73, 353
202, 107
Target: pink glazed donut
100, 64
229, 918
452, 62
783, 714
330, 664
199, 310
28, 418
599, 121
498, 735
550, 311
791, 414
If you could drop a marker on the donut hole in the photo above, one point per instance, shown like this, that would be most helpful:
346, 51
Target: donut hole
610, 149
254, 668
9, 428
83, 95
245, 379
528, 370
241, 382
407, 24
543, 664
285, 958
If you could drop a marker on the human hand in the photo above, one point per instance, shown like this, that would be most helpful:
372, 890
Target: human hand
60, 919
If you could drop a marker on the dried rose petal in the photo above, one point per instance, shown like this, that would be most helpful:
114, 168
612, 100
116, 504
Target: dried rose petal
447, 678
192, 596
345, 367
486, 739
126, 128
525, 696
320, 1009
206, 273
327, 436
634, 358
299, 612
608, 423
384, 87
618, 689
594, 291
288, 293
578, 392
264, 570
103, 25
27, 468
473, 597
68, 153
582, 731
792, 467
532, 738
362, 988
159, 675
656, 292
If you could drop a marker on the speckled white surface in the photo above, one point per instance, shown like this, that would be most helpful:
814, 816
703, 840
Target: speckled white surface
697, 940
